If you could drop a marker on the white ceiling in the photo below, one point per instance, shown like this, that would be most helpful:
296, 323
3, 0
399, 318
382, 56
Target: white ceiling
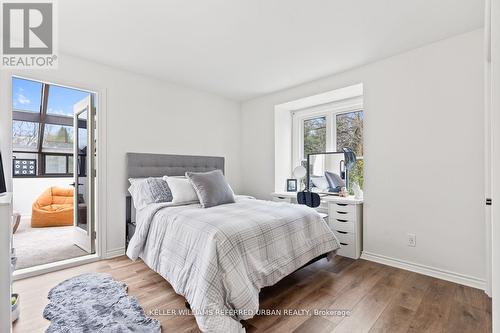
241, 49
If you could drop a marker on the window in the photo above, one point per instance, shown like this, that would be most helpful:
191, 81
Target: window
350, 131
61, 100
349, 128
314, 135
42, 126
330, 127
58, 138
24, 135
26, 95
56, 164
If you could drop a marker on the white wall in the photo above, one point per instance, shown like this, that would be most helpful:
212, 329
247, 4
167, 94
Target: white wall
142, 115
424, 152
27, 190
428, 101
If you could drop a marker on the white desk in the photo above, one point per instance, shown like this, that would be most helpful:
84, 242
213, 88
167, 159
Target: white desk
345, 218
292, 197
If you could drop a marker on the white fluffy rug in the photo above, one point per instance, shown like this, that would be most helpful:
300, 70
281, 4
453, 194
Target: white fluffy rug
94, 302
37, 246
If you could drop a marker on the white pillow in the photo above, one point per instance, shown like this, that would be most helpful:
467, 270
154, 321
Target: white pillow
182, 190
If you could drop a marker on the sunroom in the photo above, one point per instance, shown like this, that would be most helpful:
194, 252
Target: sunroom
50, 161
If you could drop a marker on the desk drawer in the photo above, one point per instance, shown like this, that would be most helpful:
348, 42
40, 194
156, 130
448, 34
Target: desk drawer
342, 225
347, 250
348, 216
323, 207
343, 208
345, 237
282, 199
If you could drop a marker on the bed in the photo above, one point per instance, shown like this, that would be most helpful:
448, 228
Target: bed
219, 258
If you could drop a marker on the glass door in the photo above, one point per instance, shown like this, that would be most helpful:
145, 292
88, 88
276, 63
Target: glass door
83, 173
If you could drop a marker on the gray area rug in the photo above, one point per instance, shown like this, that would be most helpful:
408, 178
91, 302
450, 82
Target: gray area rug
37, 246
94, 302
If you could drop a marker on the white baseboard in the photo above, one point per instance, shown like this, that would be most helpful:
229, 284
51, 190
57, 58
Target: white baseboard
426, 270
114, 253
24, 273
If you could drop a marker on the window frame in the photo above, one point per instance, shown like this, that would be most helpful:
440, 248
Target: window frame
330, 111
42, 118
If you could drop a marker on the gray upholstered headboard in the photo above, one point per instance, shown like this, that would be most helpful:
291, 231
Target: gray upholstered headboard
156, 165
143, 165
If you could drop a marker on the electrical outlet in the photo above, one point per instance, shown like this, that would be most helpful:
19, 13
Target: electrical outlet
412, 240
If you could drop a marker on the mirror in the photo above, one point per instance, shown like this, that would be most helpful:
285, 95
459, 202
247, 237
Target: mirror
328, 172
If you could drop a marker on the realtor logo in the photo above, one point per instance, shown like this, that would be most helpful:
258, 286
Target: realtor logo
28, 32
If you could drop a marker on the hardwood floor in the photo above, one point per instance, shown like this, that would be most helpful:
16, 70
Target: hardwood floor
380, 299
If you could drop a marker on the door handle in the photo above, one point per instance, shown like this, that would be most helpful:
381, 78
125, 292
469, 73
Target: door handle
73, 184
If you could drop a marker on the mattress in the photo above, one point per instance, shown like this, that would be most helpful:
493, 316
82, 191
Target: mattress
219, 258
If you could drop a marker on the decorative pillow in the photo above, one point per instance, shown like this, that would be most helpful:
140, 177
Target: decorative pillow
182, 190
211, 187
320, 182
334, 180
145, 191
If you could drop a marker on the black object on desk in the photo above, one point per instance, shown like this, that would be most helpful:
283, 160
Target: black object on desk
307, 198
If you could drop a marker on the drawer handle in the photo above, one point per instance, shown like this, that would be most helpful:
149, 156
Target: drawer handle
341, 204
341, 212
341, 220
344, 244
342, 232
281, 197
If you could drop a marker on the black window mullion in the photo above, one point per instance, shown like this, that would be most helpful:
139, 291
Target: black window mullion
41, 164
41, 129
26, 116
59, 120
48, 119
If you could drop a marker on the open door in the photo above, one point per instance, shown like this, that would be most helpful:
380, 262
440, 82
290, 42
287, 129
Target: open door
84, 174
493, 108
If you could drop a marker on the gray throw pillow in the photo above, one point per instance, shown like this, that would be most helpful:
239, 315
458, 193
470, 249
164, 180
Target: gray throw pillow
320, 182
334, 180
146, 191
211, 187
160, 192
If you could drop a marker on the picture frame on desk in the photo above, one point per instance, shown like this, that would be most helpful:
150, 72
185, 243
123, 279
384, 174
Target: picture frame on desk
291, 185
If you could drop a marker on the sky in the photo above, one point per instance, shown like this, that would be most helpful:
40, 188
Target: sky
26, 95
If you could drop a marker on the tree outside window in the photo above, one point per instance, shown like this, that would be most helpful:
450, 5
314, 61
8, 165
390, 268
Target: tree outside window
349, 127
314, 135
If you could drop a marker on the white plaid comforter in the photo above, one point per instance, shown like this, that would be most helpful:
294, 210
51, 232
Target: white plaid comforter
219, 258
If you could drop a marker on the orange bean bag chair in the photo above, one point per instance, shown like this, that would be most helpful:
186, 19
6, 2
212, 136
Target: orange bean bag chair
54, 208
